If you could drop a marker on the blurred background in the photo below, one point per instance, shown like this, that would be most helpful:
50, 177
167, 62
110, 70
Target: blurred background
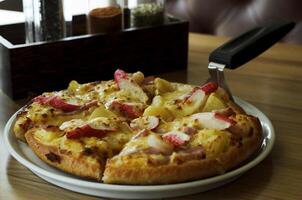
218, 17
232, 17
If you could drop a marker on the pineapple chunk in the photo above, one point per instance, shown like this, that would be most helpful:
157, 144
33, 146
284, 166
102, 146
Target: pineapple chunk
158, 101
214, 102
101, 111
71, 145
132, 90
214, 141
138, 77
45, 136
163, 86
117, 140
159, 111
73, 86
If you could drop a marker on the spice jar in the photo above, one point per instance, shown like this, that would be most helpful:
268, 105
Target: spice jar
47, 19
146, 12
104, 16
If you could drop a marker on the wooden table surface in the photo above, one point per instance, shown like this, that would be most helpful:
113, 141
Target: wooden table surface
272, 82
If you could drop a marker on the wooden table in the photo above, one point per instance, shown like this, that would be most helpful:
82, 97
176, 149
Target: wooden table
272, 82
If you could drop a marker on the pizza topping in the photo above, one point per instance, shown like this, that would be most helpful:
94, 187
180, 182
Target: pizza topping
146, 122
73, 86
102, 111
84, 107
142, 133
42, 99
193, 153
157, 142
90, 104
85, 131
102, 123
214, 102
118, 75
138, 77
129, 110
148, 80
162, 86
209, 87
133, 89
53, 157
176, 138
226, 111
27, 124
197, 95
197, 150
58, 102
97, 127
193, 102
224, 118
152, 150
88, 151
189, 130
62, 104
212, 120
129, 86
190, 103
72, 124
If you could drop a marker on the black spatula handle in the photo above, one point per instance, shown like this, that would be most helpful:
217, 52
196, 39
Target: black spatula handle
249, 45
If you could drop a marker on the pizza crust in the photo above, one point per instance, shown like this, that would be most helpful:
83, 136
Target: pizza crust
79, 165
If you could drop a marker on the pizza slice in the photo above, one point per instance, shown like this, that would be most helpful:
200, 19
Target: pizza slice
198, 146
80, 147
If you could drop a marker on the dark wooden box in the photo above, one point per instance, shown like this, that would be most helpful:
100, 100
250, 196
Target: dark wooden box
48, 66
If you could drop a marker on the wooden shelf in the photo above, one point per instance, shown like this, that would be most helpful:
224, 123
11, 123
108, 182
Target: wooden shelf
43, 66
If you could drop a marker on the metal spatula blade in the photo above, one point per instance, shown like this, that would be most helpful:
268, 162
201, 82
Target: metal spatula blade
244, 48
217, 75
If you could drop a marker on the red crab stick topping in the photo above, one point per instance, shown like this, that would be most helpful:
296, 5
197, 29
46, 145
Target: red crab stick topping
129, 110
120, 75
199, 93
125, 83
209, 87
85, 131
97, 127
212, 120
59, 103
176, 138
146, 122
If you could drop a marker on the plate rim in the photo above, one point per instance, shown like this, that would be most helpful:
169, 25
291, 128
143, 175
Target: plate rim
145, 188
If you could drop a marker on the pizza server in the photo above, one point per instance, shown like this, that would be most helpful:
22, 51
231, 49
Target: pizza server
244, 48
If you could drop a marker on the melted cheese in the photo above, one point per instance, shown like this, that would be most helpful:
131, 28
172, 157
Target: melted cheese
134, 146
46, 137
214, 141
71, 145
50, 116
118, 139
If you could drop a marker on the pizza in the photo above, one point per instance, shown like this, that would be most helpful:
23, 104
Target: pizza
139, 130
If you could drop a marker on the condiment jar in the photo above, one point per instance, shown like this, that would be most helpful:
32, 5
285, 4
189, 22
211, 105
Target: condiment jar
47, 20
146, 12
104, 16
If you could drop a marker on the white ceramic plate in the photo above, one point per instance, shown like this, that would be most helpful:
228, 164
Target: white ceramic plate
26, 157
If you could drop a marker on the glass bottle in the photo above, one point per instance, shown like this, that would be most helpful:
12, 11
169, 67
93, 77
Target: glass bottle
47, 20
104, 16
146, 12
